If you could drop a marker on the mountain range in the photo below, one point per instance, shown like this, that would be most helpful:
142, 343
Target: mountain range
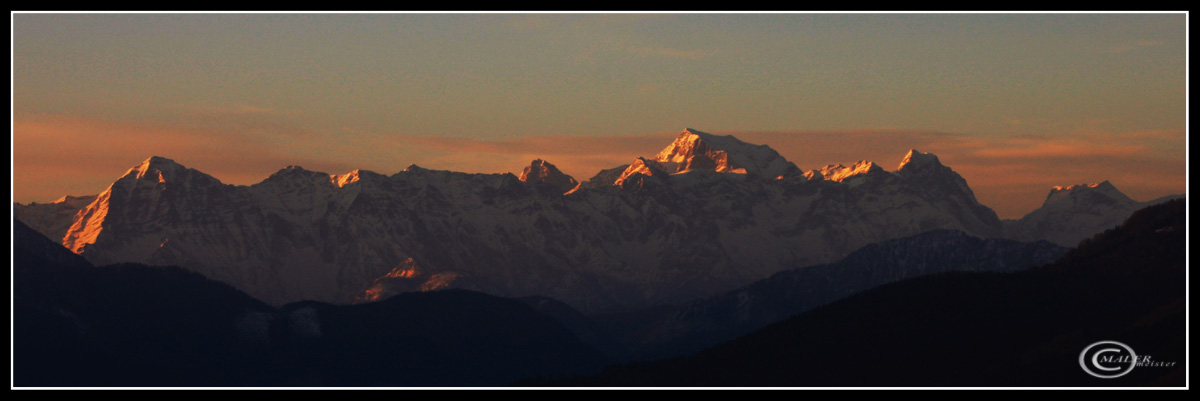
706, 215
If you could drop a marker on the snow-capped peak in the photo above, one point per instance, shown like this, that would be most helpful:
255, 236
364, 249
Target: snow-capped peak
158, 161
689, 138
542, 171
696, 150
917, 160
646, 167
1073, 192
160, 170
157, 167
295, 173
294, 170
839, 173
1104, 185
345, 179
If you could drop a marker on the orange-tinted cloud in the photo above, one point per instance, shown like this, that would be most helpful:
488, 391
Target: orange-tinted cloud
579, 156
56, 155
1043, 150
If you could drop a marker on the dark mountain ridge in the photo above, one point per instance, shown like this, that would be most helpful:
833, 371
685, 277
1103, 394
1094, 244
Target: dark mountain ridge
971, 328
131, 325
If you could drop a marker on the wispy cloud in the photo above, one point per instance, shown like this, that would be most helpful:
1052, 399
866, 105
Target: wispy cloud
670, 52
91, 152
1069, 149
239, 120
1127, 46
228, 109
557, 144
576, 22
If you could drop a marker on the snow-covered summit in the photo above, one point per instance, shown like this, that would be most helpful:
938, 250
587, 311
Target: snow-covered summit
696, 150
1072, 213
157, 167
541, 171
839, 173
646, 167
1075, 193
342, 180
292, 172
916, 160
161, 170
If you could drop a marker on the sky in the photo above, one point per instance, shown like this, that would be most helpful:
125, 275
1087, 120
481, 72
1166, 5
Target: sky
1016, 103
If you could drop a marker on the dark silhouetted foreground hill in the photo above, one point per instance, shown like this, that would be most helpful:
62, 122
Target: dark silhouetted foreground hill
445, 338
706, 322
123, 325
135, 326
971, 328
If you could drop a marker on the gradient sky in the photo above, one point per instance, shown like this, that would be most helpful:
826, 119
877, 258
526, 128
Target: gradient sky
1016, 103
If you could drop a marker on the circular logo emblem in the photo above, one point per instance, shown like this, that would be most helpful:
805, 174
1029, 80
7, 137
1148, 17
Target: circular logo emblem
1107, 359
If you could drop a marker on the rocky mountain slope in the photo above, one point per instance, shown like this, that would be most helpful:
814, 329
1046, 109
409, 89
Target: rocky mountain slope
55, 218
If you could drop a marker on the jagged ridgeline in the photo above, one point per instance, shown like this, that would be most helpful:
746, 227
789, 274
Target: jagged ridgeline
707, 214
